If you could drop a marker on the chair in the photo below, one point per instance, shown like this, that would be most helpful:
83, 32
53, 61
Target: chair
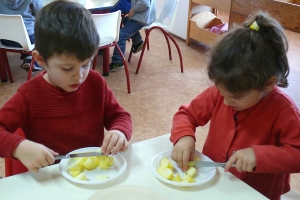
108, 27
13, 28
165, 22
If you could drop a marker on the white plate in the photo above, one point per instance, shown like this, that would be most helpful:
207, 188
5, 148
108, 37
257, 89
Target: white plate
127, 192
112, 172
204, 174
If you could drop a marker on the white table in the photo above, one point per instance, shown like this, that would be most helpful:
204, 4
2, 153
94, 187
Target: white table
49, 184
93, 5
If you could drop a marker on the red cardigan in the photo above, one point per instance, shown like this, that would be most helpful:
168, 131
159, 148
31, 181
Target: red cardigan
60, 120
271, 127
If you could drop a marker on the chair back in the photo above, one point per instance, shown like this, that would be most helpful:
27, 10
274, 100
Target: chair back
108, 27
168, 14
13, 28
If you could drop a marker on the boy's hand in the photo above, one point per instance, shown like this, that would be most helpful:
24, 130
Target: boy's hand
114, 141
183, 152
244, 159
131, 13
34, 155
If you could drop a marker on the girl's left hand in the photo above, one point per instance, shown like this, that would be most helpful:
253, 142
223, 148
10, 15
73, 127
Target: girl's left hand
114, 141
244, 160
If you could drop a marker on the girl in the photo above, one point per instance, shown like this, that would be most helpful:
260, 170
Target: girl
252, 122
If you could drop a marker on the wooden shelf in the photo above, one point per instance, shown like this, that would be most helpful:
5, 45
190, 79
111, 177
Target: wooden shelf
200, 34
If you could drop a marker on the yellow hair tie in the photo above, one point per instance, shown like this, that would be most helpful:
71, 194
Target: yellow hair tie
254, 26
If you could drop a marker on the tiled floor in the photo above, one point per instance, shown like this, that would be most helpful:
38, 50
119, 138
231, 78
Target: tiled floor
159, 88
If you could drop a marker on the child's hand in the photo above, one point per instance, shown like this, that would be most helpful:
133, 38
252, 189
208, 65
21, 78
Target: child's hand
244, 159
34, 155
114, 141
183, 152
131, 13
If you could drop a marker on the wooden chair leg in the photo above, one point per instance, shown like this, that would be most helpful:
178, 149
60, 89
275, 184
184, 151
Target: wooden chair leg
95, 61
30, 69
130, 54
126, 66
143, 51
178, 50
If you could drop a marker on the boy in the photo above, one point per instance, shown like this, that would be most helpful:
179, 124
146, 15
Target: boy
67, 106
142, 13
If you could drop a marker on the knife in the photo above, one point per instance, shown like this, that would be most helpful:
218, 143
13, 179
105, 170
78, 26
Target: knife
211, 164
78, 155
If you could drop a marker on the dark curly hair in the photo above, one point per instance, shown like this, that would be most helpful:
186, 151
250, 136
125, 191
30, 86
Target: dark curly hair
246, 58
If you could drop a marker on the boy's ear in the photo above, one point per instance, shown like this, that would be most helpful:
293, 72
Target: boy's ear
38, 58
270, 83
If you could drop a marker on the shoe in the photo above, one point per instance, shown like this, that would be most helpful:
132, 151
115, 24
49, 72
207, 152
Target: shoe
26, 66
115, 66
138, 47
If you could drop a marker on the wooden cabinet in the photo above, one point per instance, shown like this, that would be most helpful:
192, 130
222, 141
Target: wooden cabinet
287, 14
200, 34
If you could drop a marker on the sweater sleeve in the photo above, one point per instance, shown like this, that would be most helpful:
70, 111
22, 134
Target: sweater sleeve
284, 157
36, 6
12, 116
197, 113
115, 117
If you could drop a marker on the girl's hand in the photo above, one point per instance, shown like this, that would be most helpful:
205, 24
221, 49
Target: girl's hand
244, 159
183, 152
114, 141
34, 155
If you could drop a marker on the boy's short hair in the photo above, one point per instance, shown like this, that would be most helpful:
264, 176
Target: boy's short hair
64, 27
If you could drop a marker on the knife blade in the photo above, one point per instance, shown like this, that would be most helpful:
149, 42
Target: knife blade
211, 164
78, 155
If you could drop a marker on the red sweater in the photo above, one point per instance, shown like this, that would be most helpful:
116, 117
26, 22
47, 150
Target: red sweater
271, 127
60, 120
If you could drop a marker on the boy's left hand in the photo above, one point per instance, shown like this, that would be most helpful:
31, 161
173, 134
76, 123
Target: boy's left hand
244, 160
131, 13
114, 141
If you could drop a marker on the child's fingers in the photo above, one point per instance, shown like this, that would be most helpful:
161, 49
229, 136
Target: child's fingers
230, 162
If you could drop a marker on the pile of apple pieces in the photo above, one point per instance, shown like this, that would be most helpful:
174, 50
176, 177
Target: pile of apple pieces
77, 169
166, 171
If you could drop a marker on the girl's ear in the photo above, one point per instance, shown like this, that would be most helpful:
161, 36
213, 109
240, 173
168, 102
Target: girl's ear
270, 83
38, 58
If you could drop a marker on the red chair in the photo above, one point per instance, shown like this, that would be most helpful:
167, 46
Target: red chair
108, 27
13, 166
13, 29
164, 23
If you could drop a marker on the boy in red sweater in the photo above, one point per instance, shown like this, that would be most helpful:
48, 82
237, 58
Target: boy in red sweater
252, 123
68, 106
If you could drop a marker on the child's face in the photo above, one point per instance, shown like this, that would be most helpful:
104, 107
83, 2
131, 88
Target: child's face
240, 102
66, 72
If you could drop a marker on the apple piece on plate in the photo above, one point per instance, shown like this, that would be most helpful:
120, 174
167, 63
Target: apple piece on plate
196, 159
188, 179
91, 163
111, 161
76, 166
82, 176
177, 178
74, 173
192, 164
191, 171
165, 162
165, 172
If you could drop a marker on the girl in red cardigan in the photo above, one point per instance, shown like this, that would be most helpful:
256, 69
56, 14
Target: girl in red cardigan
252, 123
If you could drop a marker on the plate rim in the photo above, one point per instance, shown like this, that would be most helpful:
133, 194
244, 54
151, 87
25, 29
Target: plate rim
66, 175
178, 184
